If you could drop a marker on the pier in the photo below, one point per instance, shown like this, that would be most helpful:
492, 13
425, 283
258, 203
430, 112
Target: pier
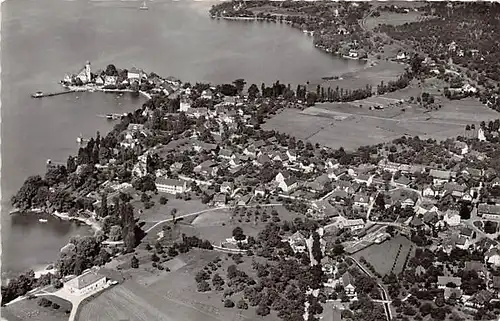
56, 93
113, 116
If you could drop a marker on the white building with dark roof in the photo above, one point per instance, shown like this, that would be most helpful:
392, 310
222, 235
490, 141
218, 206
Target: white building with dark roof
85, 283
170, 186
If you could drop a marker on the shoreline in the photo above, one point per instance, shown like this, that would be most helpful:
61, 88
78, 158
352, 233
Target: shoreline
370, 61
94, 224
87, 88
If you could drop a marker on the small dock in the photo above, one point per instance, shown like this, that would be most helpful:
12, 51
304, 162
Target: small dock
113, 116
56, 93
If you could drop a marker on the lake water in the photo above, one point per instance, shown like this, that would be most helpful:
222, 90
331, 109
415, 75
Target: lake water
43, 40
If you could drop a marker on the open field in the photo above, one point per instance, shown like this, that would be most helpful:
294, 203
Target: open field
348, 125
161, 212
394, 19
169, 296
29, 310
218, 225
382, 256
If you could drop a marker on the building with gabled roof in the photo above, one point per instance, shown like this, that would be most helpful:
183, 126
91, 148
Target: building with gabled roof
85, 283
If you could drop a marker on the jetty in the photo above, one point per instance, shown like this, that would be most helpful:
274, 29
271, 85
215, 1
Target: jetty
40, 94
113, 116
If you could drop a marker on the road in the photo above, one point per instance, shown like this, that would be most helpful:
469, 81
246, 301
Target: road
385, 297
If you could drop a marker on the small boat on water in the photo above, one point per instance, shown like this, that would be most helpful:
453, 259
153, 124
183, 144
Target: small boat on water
109, 116
42, 220
144, 6
38, 94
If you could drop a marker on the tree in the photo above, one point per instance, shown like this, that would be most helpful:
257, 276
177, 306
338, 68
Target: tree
115, 233
173, 212
238, 234
253, 91
239, 84
111, 70
263, 310
228, 303
134, 262
44, 302
203, 286
163, 200
242, 304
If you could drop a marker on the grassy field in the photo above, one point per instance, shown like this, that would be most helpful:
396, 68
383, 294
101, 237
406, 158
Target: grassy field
161, 212
167, 297
348, 125
382, 256
29, 310
394, 19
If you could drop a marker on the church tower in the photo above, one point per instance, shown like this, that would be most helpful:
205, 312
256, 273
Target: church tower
87, 71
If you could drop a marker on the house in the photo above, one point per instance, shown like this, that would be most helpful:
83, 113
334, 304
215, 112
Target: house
492, 256
452, 217
242, 201
439, 177
260, 191
226, 154
134, 75
479, 300
292, 155
449, 282
262, 160
352, 225
206, 168
401, 55
452, 293
476, 266
297, 242
140, 169
385, 165
85, 283
489, 211
456, 190
408, 202
170, 186
348, 284
466, 232
176, 167
495, 282
318, 185
281, 176
250, 151
219, 200
185, 105
226, 187
99, 81
288, 185
110, 80
361, 200
366, 179
207, 94
402, 181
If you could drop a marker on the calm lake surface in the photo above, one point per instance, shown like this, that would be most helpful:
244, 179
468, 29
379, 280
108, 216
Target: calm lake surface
43, 40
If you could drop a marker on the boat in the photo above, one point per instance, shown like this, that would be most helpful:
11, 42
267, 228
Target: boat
144, 6
109, 116
38, 94
42, 220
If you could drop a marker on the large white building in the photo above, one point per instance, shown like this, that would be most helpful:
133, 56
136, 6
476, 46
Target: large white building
170, 186
85, 283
